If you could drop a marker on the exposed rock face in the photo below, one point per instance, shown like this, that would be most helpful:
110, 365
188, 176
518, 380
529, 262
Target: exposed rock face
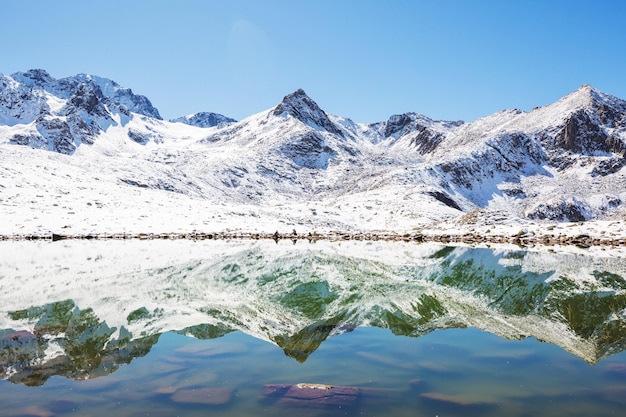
508, 156
573, 211
416, 129
582, 135
445, 199
58, 134
19, 103
143, 138
34, 77
115, 95
33, 140
80, 128
426, 140
65, 113
136, 103
300, 106
609, 166
591, 130
583, 132
309, 151
399, 124
295, 149
87, 97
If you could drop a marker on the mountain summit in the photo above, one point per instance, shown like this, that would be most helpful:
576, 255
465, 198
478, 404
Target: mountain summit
589, 122
64, 87
60, 115
299, 105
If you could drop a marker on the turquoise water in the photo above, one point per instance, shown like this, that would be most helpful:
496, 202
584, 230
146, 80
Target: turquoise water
235, 329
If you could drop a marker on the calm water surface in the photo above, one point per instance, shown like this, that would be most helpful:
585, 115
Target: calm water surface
197, 329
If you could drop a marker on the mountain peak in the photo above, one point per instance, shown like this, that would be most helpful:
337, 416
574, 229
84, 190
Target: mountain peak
120, 95
588, 96
38, 77
587, 92
295, 102
298, 93
300, 106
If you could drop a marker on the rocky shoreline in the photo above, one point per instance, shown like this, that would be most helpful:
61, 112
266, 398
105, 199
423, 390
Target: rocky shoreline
521, 238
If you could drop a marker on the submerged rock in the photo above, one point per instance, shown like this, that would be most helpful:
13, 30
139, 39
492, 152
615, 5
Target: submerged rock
312, 395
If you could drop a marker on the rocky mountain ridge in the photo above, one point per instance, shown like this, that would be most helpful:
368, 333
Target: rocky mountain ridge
560, 162
60, 115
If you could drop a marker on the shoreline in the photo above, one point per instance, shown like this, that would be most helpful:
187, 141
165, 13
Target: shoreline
521, 239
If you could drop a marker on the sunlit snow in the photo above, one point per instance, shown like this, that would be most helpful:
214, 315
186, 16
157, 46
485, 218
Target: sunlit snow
294, 167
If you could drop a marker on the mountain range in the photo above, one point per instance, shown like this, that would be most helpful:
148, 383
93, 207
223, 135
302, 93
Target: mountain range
86, 155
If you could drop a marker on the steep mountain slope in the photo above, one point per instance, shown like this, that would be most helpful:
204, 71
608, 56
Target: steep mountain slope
297, 152
295, 165
60, 115
574, 148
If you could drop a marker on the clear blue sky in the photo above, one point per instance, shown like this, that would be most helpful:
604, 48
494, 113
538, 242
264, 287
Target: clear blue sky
363, 59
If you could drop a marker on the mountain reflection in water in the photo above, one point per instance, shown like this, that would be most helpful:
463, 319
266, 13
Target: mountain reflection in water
81, 309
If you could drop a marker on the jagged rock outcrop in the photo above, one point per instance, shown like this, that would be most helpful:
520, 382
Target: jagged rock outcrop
300, 106
560, 162
580, 136
591, 126
65, 113
309, 151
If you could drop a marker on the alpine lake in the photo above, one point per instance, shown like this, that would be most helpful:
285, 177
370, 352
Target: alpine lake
258, 328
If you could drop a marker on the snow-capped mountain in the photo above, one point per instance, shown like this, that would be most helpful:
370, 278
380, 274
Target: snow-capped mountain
204, 119
572, 148
296, 166
295, 297
60, 115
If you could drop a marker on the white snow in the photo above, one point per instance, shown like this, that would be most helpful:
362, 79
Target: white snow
271, 173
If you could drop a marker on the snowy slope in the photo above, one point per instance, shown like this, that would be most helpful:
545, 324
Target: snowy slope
60, 115
85, 155
558, 162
